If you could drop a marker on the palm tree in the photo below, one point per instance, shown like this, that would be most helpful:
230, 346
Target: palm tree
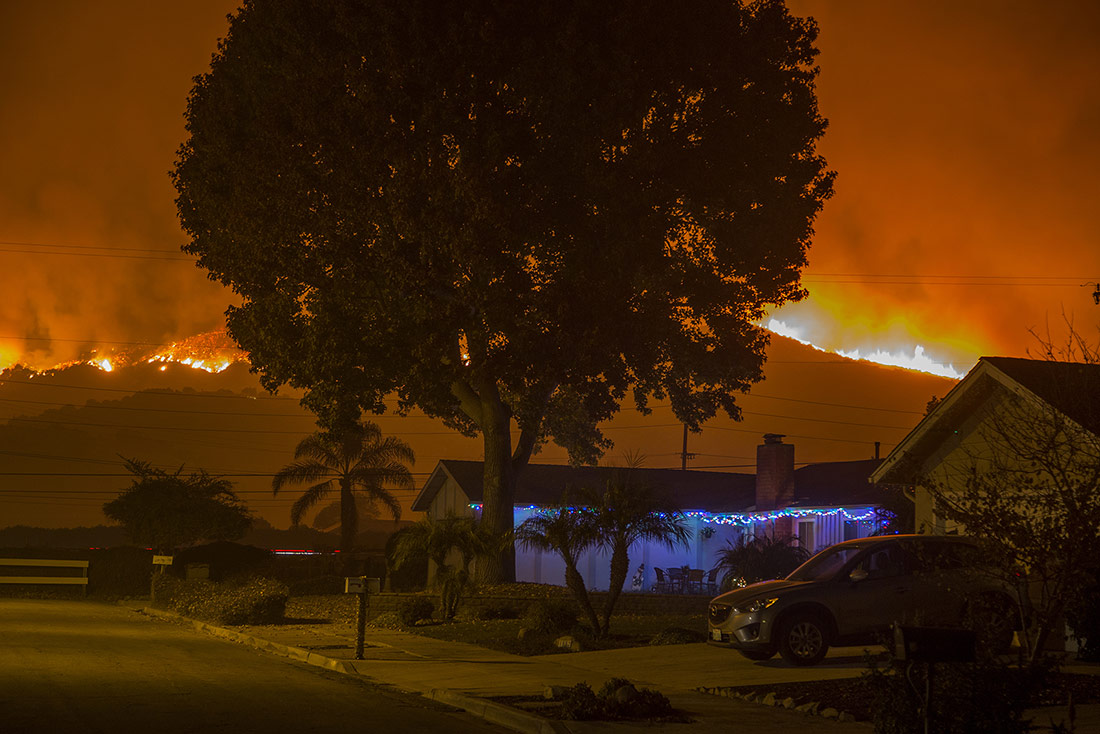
759, 558
359, 462
568, 531
436, 538
626, 513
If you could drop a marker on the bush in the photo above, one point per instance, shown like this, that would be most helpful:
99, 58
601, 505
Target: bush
617, 699
551, 616
497, 610
677, 636
387, 621
411, 611
581, 704
1083, 614
967, 698
256, 601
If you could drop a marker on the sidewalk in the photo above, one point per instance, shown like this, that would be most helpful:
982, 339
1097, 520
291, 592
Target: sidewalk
465, 675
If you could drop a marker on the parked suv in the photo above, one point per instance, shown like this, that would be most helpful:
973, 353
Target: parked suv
853, 592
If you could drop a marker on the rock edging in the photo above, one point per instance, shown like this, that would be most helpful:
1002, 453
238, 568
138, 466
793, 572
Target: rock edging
771, 699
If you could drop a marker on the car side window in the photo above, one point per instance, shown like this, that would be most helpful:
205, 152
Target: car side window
883, 563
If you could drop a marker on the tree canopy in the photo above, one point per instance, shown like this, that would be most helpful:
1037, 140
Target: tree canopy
506, 214
357, 464
171, 510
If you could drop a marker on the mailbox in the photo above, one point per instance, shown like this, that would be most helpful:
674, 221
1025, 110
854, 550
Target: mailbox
361, 585
934, 644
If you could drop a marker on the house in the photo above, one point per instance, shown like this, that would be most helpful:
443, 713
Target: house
1002, 400
819, 504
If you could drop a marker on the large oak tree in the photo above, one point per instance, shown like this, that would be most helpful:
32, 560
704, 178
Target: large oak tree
512, 215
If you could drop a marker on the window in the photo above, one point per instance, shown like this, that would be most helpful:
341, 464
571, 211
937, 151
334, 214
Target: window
806, 534
851, 529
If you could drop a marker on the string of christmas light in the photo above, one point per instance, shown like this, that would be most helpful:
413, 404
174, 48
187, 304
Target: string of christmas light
855, 514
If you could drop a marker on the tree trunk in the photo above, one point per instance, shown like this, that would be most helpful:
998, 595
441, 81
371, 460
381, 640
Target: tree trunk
575, 582
620, 567
349, 525
498, 487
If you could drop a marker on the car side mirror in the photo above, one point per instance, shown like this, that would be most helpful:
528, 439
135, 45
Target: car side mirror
857, 575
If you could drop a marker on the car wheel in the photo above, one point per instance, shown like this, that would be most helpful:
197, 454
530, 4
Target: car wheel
758, 654
803, 639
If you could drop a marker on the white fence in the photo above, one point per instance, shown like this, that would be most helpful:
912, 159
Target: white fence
32, 563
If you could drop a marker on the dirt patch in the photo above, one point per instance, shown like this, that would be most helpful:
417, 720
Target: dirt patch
854, 694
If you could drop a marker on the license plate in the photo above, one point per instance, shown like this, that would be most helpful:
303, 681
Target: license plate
716, 635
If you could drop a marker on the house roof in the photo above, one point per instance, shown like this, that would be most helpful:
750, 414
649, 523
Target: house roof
816, 485
1071, 388
836, 483
543, 484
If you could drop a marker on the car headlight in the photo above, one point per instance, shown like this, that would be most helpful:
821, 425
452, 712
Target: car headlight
755, 605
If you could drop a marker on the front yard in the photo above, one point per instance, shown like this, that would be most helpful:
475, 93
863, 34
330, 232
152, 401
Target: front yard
508, 635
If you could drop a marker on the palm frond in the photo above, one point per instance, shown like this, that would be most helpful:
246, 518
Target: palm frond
299, 472
309, 498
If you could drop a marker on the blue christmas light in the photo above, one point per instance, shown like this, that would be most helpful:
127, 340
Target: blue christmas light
857, 514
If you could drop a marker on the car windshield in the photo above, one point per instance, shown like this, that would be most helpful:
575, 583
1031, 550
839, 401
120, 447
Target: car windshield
825, 564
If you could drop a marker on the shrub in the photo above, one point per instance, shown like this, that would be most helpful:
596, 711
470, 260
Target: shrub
580, 703
677, 636
256, 601
497, 610
608, 689
967, 698
1083, 614
551, 616
387, 621
617, 699
411, 611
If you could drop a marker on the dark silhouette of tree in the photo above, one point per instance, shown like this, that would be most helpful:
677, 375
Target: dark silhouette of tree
438, 539
569, 532
509, 215
167, 511
359, 463
759, 558
625, 513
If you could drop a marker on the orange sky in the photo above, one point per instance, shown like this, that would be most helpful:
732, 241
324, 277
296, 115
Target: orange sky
964, 135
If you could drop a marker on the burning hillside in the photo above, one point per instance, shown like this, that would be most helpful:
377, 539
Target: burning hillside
211, 352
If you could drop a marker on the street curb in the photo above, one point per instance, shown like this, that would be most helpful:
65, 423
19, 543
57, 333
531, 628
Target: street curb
287, 651
497, 713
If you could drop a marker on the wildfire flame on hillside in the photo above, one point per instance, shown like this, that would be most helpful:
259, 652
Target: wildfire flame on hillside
211, 352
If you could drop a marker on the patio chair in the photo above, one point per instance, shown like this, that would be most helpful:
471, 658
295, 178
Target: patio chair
712, 581
695, 580
676, 579
662, 586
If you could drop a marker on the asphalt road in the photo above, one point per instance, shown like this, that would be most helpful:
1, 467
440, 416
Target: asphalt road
70, 666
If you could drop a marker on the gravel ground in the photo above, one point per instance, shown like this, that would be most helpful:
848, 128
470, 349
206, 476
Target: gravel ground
853, 694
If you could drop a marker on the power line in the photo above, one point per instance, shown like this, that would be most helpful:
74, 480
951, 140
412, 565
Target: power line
165, 392
926, 275
159, 410
87, 247
921, 282
835, 405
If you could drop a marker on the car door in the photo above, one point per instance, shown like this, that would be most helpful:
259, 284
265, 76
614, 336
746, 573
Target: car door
873, 592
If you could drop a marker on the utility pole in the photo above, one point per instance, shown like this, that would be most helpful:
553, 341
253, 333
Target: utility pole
684, 455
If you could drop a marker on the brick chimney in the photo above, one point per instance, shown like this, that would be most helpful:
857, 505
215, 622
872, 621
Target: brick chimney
774, 473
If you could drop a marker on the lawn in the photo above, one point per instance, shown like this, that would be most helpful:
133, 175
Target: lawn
627, 630
633, 630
